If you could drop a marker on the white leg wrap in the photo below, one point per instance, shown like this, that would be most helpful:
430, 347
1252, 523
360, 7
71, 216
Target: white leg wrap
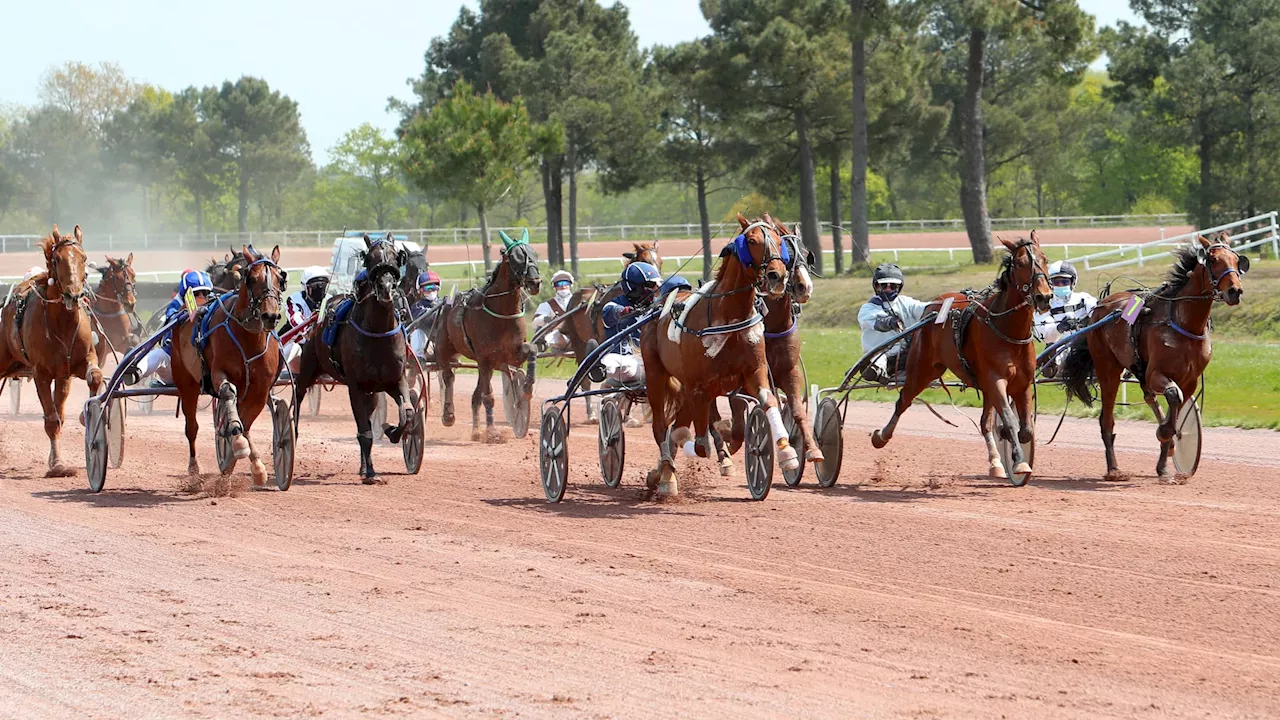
690, 449
775, 424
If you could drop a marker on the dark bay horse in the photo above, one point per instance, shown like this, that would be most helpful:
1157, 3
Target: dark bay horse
994, 354
714, 347
225, 273
228, 349
1166, 349
368, 351
415, 263
487, 325
45, 332
113, 307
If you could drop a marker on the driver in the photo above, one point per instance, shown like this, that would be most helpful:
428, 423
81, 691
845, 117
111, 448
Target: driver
886, 314
428, 299
554, 307
1069, 311
200, 287
301, 305
640, 282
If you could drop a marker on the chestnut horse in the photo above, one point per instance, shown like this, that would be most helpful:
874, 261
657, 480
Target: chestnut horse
1166, 349
714, 346
368, 354
995, 356
45, 332
228, 349
782, 349
113, 307
487, 325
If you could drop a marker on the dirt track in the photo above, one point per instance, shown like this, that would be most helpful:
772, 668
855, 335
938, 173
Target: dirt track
908, 590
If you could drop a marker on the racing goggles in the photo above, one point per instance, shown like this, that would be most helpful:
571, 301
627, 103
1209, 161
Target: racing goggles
563, 283
1060, 281
888, 286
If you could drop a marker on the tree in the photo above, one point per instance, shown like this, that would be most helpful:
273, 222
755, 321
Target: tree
865, 16
92, 94
471, 147
258, 131
185, 132
371, 164
133, 147
55, 150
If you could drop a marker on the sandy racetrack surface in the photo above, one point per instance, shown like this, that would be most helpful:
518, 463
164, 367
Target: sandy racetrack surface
912, 589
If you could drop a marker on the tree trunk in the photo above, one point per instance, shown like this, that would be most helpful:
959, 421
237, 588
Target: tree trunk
1251, 156
973, 178
484, 236
837, 242
573, 209
199, 213
810, 230
859, 232
243, 217
704, 222
551, 192
1204, 199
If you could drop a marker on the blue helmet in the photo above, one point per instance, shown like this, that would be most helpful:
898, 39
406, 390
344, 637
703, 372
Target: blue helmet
640, 278
195, 280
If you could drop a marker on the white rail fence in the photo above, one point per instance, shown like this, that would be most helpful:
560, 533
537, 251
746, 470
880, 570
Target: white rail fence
1243, 237
425, 236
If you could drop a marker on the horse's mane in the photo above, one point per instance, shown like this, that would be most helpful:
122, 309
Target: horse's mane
47, 243
1185, 261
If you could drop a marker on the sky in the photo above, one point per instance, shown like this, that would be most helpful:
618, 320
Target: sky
339, 60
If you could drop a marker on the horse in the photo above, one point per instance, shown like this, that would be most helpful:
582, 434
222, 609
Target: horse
1167, 347
995, 355
414, 265
113, 307
45, 332
782, 351
487, 325
225, 273
586, 325
361, 342
228, 349
692, 356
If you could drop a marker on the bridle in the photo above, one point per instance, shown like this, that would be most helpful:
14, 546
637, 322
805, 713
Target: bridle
109, 274
79, 297
528, 269
741, 247
275, 284
1216, 281
1037, 271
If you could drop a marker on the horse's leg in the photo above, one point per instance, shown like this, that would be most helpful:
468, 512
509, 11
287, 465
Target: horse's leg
235, 429
447, 416
987, 426
915, 384
484, 377
657, 391
49, 392
251, 408
1108, 388
722, 453
1165, 447
189, 398
1022, 401
1001, 401
757, 384
1167, 428
362, 405
590, 401
793, 385
737, 427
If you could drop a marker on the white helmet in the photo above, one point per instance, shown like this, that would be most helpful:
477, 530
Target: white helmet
1063, 268
33, 271
313, 272
561, 275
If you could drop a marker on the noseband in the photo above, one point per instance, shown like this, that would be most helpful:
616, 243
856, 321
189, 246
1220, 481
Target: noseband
741, 248
272, 291
1216, 281
53, 265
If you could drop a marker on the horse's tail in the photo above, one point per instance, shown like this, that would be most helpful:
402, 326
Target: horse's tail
674, 401
1077, 369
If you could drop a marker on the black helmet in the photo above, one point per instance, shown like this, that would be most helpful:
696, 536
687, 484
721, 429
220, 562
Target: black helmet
890, 274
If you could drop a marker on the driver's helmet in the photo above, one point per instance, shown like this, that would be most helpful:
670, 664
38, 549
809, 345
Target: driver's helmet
32, 271
561, 277
196, 282
428, 280
315, 272
888, 281
1063, 274
640, 281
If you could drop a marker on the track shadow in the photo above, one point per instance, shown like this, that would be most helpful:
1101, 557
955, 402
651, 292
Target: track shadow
121, 497
888, 493
625, 502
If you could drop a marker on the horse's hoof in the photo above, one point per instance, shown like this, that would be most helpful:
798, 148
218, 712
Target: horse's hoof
240, 447
392, 433
1022, 468
59, 470
476, 436
259, 474
193, 469
633, 423
814, 455
373, 480
726, 467
877, 440
651, 480
787, 458
447, 419
593, 420
996, 471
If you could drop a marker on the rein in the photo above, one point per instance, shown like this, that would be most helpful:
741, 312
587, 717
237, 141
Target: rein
989, 316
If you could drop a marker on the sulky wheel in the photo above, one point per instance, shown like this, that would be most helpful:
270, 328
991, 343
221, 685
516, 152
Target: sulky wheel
115, 433
553, 454
759, 454
313, 400
796, 438
221, 441
828, 431
95, 444
412, 442
15, 396
514, 403
612, 442
1006, 453
1186, 438
283, 437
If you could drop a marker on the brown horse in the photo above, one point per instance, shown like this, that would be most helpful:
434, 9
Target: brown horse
586, 325
487, 325
369, 350
113, 307
45, 332
1166, 349
712, 347
995, 354
234, 357
782, 350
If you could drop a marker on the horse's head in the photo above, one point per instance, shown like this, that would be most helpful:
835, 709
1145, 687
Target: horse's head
382, 263
644, 252
521, 262
758, 250
1226, 268
118, 275
226, 275
799, 259
67, 263
1025, 270
262, 284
